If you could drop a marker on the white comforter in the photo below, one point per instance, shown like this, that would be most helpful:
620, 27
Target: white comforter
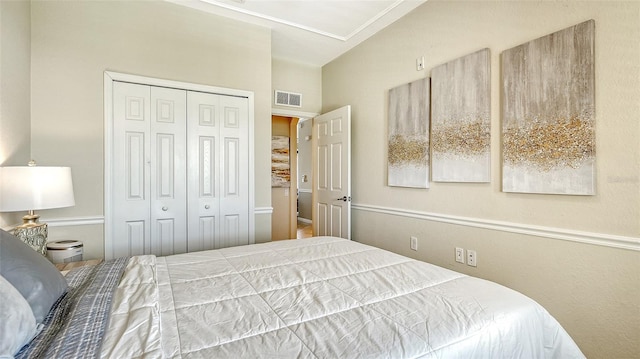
321, 298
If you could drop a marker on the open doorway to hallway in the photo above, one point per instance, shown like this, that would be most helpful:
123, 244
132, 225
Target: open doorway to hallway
304, 167
291, 194
292, 204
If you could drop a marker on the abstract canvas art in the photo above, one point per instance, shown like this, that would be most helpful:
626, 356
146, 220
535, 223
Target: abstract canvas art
461, 119
280, 167
548, 109
408, 151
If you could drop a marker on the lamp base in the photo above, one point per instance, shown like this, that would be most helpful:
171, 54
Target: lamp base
34, 235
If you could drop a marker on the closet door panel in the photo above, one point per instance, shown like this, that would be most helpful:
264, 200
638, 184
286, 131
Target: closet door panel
203, 202
135, 162
164, 240
234, 201
207, 230
207, 233
232, 229
136, 238
168, 208
130, 183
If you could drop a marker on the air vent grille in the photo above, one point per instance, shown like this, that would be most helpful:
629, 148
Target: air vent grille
285, 98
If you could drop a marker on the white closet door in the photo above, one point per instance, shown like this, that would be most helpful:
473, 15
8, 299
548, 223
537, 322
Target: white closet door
149, 180
168, 171
203, 173
234, 176
218, 175
131, 148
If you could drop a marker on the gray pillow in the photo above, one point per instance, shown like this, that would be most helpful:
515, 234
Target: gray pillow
37, 279
17, 324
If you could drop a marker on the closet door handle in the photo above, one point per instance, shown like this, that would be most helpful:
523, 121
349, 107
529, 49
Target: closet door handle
165, 209
206, 206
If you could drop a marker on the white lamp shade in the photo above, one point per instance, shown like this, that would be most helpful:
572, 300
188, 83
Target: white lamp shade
24, 188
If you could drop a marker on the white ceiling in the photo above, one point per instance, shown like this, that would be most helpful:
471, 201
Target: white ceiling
312, 32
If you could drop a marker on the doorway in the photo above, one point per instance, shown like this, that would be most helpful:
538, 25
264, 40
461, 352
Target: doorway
304, 169
287, 201
329, 162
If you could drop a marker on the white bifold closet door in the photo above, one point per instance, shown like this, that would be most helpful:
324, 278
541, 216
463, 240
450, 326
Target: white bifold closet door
181, 170
218, 172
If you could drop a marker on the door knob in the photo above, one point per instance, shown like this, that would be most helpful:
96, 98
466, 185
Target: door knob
206, 206
344, 198
165, 209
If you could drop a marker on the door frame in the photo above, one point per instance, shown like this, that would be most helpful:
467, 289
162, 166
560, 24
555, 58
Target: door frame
109, 78
299, 115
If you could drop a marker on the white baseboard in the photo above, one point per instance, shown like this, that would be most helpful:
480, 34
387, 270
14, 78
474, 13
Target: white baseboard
601, 239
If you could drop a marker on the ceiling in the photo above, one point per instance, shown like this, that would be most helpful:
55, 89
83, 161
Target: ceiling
312, 32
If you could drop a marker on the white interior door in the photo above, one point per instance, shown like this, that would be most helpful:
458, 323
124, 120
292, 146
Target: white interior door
131, 147
149, 170
332, 173
234, 172
168, 171
204, 177
218, 172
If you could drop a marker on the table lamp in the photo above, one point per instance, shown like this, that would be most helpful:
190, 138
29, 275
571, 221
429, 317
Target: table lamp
30, 188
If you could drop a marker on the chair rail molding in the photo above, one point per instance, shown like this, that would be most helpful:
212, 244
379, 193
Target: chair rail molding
74, 221
90, 220
600, 239
263, 210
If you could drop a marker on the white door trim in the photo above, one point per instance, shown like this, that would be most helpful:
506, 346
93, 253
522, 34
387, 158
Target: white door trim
292, 113
109, 78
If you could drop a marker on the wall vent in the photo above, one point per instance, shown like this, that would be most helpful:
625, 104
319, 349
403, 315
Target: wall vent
285, 98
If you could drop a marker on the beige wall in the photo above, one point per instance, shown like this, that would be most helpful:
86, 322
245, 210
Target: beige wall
73, 43
15, 81
299, 78
592, 289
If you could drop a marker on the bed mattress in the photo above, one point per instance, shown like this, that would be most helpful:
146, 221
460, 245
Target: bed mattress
321, 297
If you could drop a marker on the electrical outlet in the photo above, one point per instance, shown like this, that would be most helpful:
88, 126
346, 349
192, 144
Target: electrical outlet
460, 255
472, 258
414, 243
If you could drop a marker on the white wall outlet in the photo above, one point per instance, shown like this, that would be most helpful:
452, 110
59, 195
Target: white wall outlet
472, 258
414, 243
420, 63
460, 255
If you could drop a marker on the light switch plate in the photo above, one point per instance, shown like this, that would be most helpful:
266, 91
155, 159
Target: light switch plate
420, 63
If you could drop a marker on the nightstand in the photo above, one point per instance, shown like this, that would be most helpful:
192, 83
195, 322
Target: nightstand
66, 267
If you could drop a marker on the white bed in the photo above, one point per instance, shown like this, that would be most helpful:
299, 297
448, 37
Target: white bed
322, 297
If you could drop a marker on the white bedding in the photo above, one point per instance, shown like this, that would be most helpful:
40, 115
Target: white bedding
322, 297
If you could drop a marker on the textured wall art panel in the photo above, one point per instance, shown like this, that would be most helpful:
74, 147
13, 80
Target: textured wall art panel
280, 167
548, 109
408, 147
461, 119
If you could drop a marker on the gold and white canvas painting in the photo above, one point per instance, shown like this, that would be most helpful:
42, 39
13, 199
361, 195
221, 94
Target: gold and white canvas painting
461, 119
280, 167
548, 110
408, 151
